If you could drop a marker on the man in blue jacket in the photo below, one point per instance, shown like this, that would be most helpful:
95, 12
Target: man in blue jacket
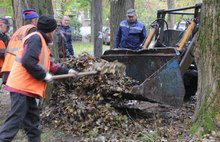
131, 32
63, 33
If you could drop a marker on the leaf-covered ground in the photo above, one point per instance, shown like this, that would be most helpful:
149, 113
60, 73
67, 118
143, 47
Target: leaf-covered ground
91, 108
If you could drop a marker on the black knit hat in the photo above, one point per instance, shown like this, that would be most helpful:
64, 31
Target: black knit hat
46, 23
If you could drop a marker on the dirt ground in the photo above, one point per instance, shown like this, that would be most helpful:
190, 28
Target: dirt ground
4, 105
51, 135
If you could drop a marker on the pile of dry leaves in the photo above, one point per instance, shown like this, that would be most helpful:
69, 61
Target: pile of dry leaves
92, 106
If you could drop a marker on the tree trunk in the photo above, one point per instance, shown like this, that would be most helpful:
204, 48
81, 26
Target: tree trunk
117, 14
18, 6
42, 7
208, 58
97, 21
171, 19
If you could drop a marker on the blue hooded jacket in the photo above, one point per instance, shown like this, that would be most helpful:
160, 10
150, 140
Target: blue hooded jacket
68, 39
130, 35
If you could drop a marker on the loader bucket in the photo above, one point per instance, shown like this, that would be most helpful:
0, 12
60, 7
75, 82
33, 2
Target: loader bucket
157, 70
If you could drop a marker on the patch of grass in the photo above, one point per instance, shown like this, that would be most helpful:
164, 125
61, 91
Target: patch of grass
80, 47
148, 136
120, 118
48, 135
194, 128
92, 133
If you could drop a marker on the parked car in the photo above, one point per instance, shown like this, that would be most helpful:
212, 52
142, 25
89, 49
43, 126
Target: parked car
85, 31
180, 26
106, 35
76, 36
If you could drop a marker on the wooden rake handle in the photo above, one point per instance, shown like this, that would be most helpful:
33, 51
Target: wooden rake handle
73, 75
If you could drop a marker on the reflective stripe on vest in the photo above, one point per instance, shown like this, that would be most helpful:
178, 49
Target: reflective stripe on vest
18, 59
2, 50
126, 26
14, 46
11, 50
19, 36
123, 25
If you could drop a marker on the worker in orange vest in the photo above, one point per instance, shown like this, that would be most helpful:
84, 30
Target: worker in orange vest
30, 17
31, 70
4, 38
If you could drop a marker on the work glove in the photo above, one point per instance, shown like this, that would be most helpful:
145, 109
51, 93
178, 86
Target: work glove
72, 71
48, 77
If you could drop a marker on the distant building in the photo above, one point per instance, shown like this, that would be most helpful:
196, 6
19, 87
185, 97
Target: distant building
84, 18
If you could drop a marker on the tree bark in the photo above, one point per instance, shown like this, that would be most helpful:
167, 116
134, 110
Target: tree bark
18, 6
208, 58
171, 19
117, 14
42, 7
97, 21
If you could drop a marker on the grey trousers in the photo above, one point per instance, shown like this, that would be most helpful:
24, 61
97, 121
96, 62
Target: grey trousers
24, 114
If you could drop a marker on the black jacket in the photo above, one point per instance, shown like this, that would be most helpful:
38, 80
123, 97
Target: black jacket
30, 59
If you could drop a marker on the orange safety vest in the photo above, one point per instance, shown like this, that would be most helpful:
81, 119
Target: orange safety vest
2, 50
20, 79
14, 46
